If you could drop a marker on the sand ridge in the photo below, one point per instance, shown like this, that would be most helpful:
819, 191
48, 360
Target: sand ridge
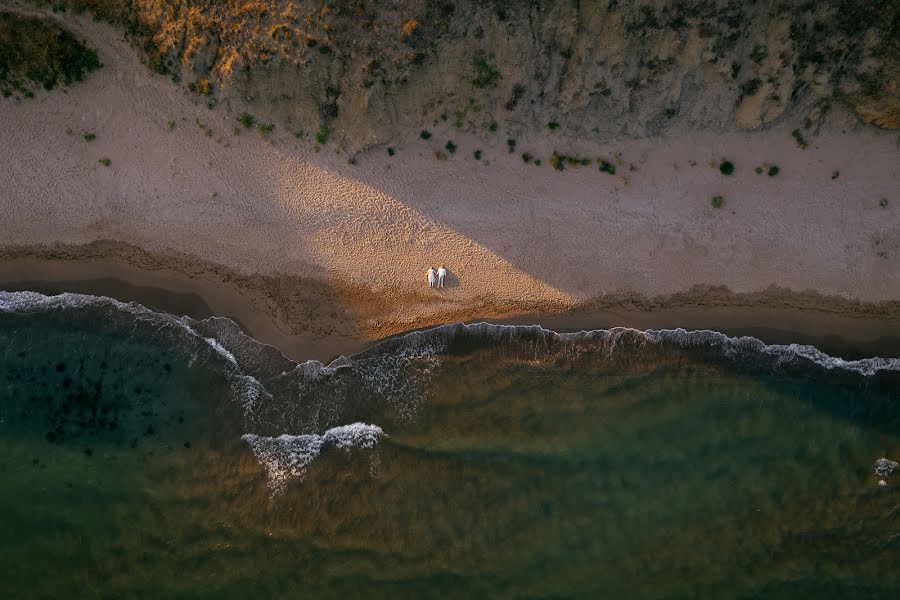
512, 234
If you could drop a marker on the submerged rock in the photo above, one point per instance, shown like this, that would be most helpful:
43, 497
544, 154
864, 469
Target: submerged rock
884, 468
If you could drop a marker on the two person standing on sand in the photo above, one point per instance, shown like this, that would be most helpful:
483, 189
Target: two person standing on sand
436, 279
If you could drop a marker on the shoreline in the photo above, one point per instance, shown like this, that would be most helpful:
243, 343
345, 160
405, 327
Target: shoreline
313, 319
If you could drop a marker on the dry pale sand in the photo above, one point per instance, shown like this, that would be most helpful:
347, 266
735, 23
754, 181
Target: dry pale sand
515, 237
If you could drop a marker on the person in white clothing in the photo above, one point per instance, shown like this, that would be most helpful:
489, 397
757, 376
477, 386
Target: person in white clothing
431, 277
442, 274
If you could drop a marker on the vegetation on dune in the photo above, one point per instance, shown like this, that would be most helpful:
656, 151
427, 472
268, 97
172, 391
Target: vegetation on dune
322, 135
717, 201
41, 52
485, 74
764, 60
726, 167
247, 120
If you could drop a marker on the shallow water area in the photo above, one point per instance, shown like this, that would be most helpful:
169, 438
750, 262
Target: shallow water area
152, 456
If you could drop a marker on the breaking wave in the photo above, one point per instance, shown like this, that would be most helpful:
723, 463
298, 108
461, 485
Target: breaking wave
294, 411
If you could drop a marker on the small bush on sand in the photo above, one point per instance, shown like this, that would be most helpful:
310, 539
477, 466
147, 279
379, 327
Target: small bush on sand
718, 201
835, 174
759, 170
526, 157
607, 167
477, 154
89, 136
451, 147
425, 134
883, 203
266, 127
558, 162
322, 135
511, 143
773, 170
246, 120
486, 74
537, 162
798, 137
391, 151
553, 125
727, 168
493, 126
105, 162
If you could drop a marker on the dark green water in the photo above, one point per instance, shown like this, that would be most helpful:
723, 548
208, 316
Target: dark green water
140, 459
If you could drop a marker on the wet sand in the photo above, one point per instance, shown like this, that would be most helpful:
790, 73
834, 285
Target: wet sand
335, 326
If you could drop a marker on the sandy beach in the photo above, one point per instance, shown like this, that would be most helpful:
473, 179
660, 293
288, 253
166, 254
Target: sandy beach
325, 246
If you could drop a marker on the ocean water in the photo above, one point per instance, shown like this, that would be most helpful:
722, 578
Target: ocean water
145, 455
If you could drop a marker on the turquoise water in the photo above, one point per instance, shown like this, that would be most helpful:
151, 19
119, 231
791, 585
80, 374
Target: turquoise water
145, 455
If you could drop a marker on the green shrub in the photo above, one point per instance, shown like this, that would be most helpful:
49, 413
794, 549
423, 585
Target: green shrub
517, 92
486, 74
758, 170
477, 154
425, 135
883, 203
727, 168
89, 136
526, 157
266, 127
105, 162
558, 162
537, 162
759, 53
553, 125
751, 87
798, 137
773, 170
43, 52
493, 126
718, 201
390, 151
246, 120
511, 143
322, 135
170, 124
607, 167
451, 147
835, 174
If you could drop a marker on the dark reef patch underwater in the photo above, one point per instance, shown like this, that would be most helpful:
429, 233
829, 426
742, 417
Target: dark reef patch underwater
147, 455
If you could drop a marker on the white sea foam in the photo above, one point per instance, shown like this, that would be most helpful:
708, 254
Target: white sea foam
289, 456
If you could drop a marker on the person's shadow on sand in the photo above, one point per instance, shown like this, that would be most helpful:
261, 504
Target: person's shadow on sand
451, 280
